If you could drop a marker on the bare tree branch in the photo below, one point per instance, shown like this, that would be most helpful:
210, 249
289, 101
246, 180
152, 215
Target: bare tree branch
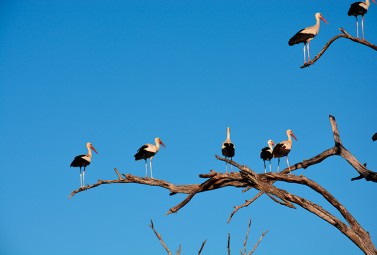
160, 238
264, 182
201, 247
343, 35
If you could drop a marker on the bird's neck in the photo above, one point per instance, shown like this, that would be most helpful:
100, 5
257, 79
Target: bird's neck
157, 146
367, 3
317, 24
289, 138
89, 151
228, 134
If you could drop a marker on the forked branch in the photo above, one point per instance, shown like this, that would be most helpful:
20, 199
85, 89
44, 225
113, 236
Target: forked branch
264, 182
343, 35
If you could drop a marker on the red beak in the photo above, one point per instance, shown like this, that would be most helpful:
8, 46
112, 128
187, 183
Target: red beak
93, 149
324, 20
162, 144
293, 136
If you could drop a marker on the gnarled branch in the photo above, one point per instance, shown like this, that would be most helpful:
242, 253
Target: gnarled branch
343, 35
264, 182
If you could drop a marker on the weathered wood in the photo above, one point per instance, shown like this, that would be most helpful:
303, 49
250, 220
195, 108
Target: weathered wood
327, 45
264, 182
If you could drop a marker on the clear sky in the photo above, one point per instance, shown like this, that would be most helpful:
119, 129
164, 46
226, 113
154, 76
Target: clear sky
120, 73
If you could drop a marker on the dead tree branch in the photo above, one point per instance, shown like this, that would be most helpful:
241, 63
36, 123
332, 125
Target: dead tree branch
264, 182
160, 238
343, 35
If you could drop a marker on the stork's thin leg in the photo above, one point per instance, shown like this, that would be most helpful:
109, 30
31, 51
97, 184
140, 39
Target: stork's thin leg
278, 165
304, 53
226, 167
80, 178
270, 166
308, 48
289, 168
231, 166
264, 163
146, 168
357, 28
362, 26
83, 178
150, 162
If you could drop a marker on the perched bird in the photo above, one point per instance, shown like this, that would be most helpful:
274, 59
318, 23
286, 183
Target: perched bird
359, 9
266, 154
374, 137
83, 161
227, 147
306, 35
283, 148
147, 151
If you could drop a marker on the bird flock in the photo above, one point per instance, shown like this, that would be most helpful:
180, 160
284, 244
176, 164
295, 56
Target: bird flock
148, 151
307, 34
282, 149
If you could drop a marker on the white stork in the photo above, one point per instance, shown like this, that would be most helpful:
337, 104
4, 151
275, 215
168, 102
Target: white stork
83, 161
227, 147
266, 154
306, 35
283, 148
147, 151
359, 8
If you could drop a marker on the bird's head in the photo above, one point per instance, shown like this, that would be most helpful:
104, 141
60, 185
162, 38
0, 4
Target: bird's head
90, 146
319, 16
290, 133
270, 143
158, 140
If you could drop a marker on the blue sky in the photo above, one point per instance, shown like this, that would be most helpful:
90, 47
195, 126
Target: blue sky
120, 73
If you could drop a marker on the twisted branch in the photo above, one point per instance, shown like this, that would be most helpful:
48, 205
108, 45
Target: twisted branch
343, 35
264, 183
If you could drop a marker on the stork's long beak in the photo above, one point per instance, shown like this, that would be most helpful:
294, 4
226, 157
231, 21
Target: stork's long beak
93, 149
162, 144
324, 20
293, 136
273, 144
374, 1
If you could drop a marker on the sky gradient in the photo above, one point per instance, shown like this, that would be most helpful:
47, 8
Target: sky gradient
120, 73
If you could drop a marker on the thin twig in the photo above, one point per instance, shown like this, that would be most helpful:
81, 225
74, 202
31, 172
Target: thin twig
201, 247
160, 238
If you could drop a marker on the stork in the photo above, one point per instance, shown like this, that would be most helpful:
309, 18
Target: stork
359, 8
266, 154
227, 147
83, 161
147, 151
306, 35
283, 148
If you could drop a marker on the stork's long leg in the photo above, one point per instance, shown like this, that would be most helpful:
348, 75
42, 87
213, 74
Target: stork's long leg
264, 163
231, 166
270, 166
357, 28
83, 177
308, 48
289, 168
150, 162
146, 168
362, 26
304, 53
278, 165
80, 178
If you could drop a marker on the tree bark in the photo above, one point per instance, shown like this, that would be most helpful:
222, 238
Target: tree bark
343, 35
264, 182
